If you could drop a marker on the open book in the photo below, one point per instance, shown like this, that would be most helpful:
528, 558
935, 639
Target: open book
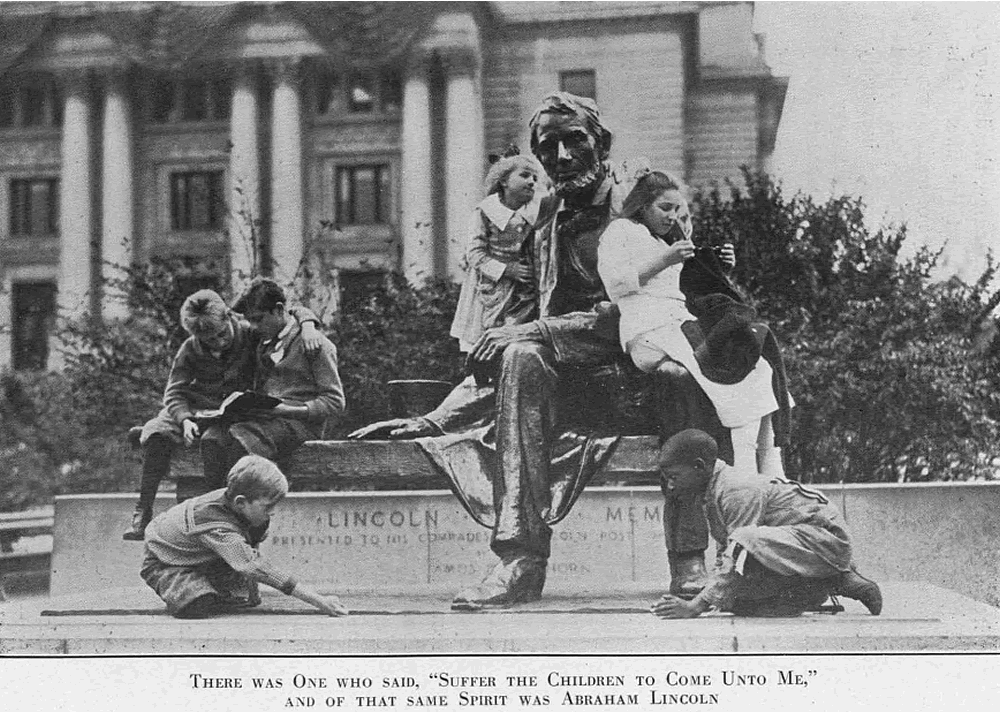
235, 405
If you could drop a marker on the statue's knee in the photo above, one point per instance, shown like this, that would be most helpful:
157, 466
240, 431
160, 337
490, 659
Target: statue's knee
518, 354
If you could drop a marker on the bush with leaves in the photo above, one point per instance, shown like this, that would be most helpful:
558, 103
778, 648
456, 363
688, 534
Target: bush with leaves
881, 359
63, 432
891, 372
397, 332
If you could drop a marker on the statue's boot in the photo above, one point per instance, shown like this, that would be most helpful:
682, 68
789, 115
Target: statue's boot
515, 579
851, 584
687, 573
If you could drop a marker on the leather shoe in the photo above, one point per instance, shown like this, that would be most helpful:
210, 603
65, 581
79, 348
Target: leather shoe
140, 520
851, 584
687, 573
516, 580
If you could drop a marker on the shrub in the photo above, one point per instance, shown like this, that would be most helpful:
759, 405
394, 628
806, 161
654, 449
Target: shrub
397, 332
895, 375
881, 359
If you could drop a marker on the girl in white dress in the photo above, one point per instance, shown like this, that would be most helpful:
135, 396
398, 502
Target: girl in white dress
640, 257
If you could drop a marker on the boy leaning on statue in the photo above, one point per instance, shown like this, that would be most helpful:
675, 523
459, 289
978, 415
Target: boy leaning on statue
201, 555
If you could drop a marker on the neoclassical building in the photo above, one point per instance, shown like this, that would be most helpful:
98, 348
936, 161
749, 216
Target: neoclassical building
252, 134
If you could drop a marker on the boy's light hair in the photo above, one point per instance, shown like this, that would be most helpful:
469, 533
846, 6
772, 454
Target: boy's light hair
203, 311
688, 446
255, 477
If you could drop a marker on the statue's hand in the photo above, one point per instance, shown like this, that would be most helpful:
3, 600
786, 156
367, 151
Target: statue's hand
395, 429
492, 343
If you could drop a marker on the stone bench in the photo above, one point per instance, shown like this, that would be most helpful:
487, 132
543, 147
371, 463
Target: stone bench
14, 526
330, 465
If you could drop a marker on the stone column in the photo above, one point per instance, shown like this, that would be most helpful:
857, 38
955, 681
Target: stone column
416, 180
463, 148
244, 179
75, 196
117, 202
287, 204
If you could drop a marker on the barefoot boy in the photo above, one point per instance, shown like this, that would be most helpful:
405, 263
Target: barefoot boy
201, 555
217, 359
785, 547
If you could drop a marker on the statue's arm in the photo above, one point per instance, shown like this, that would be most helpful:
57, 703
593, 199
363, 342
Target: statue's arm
467, 405
583, 338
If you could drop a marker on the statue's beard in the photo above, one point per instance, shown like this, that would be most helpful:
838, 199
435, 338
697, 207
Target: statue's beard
579, 183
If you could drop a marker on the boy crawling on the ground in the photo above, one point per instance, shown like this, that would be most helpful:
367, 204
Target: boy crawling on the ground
201, 555
785, 547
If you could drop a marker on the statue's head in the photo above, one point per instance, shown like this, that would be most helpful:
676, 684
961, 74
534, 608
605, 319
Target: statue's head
571, 142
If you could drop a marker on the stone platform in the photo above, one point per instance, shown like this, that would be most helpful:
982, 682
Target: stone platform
945, 534
917, 617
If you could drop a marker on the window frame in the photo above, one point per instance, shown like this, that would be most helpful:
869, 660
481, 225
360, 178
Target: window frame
383, 176
17, 350
53, 209
14, 90
217, 95
219, 188
387, 99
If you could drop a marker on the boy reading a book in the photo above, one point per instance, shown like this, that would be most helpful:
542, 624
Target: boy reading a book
307, 384
217, 358
201, 555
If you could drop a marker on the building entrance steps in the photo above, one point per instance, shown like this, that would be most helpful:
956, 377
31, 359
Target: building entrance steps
917, 617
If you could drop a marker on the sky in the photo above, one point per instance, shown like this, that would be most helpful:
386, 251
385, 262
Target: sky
898, 103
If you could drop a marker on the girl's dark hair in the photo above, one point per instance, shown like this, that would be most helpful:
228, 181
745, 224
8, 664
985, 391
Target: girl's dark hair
646, 190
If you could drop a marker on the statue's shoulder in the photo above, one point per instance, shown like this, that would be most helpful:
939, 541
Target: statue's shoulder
547, 209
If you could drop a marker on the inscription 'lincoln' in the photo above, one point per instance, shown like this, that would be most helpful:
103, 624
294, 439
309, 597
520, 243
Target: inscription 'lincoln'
379, 518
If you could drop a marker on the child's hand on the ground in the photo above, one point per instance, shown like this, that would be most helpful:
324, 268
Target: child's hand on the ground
518, 271
191, 431
312, 338
680, 251
727, 255
672, 607
333, 607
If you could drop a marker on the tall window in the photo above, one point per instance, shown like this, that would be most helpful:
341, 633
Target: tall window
34, 207
197, 200
582, 82
30, 101
34, 309
335, 95
362, 195
188, 99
